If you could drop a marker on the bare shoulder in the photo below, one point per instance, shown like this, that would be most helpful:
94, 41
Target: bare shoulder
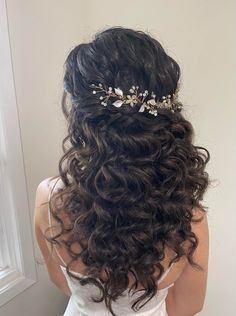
41, 200
188, 293
199, 224
200, 229
43, 190
198, 213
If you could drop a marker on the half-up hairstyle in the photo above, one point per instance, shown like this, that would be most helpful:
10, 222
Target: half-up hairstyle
131, 180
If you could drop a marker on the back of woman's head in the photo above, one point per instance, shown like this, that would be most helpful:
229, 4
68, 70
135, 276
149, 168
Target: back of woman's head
131, 179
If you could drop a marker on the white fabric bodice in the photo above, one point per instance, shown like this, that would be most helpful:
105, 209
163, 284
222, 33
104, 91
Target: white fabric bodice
81, 305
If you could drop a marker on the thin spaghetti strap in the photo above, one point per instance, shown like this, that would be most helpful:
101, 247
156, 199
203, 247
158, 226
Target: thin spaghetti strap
50, 222
165, 273
49, 198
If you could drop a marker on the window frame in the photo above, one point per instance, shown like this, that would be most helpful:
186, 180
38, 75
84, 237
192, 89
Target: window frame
20, 270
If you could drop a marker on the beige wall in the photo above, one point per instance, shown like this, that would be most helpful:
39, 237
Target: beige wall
41, 34
200, 35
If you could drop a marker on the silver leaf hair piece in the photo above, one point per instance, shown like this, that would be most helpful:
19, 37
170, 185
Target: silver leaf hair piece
137, 98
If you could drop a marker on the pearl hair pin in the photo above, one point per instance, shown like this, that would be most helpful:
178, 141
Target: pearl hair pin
136, 97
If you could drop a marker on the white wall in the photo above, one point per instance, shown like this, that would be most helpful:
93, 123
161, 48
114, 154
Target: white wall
200, 35
41, 35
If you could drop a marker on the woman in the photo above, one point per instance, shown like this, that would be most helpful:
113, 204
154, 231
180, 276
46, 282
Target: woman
122, 229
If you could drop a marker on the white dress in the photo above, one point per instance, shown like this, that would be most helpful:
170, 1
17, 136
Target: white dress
80, 304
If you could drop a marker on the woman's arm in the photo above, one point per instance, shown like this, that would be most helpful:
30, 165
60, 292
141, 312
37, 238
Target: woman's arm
187, 296
40, 217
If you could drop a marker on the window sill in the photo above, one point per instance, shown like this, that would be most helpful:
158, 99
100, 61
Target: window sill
12, 282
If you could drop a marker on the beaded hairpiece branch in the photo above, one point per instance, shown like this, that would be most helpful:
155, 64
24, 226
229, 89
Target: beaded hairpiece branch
151, 104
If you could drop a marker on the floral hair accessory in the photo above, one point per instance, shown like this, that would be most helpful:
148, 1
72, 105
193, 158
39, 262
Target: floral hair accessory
137, 98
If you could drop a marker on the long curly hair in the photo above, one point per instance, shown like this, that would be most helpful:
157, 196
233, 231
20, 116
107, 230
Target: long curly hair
131, 180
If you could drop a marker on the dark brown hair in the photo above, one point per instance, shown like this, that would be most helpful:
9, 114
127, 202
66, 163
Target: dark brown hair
131, 180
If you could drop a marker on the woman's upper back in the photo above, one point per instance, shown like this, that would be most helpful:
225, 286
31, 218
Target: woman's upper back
173, 275
62, 257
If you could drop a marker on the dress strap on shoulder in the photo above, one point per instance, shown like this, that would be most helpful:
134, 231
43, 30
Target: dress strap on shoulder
50, 222
49, 198
165, 273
